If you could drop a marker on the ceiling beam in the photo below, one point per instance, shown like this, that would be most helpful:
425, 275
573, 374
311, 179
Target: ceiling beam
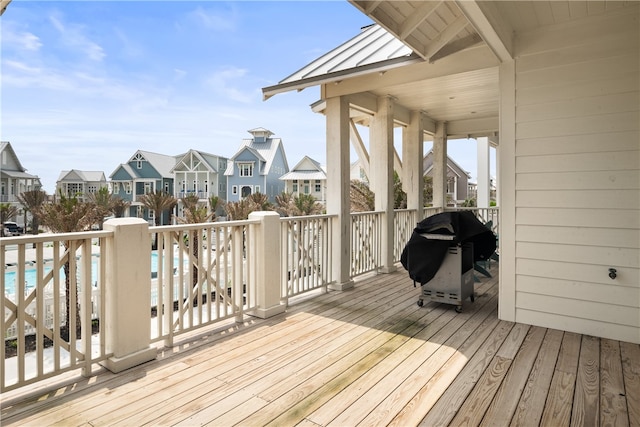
497, 37
417, 17
445, 37
456, 46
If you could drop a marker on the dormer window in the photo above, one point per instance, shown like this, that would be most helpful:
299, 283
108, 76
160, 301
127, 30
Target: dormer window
245, 169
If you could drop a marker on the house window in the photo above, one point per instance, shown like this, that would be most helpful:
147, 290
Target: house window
184, 185
152, 215
206, 186
295, 185
166, 187
93, 189
116, 187
139, 164
147, 188
234, 189
318, 186
195, 185
306, 186
127, 187
246, 169
257, 188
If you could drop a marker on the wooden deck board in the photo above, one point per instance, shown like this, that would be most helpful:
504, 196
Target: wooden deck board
367, 356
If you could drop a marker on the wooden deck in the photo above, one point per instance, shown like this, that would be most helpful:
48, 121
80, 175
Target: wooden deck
368, 356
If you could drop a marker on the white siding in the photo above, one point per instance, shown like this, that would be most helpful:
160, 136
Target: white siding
577, 176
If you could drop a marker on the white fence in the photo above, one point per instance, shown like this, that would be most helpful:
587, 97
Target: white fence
50, 276
205, 273
306, 264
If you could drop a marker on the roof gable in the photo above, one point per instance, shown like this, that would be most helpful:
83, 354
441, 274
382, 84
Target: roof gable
9, 158
265, 151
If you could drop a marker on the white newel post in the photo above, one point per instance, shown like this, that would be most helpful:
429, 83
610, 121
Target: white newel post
128, 294
268, 274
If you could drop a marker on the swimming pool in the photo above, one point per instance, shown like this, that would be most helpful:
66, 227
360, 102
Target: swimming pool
31, 277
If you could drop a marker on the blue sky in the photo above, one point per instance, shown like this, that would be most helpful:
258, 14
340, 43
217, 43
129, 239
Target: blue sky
85, 84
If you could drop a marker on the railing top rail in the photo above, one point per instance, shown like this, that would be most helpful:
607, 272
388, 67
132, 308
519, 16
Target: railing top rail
53, 237
303, 217
217, 224
366, 213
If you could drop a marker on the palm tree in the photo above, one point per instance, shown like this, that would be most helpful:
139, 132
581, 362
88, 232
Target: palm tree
302, 204
158, 201
306, 204
32, 201
103, 202
194, 213
214, 203
119, 206
7, 212
240, 210
66, 215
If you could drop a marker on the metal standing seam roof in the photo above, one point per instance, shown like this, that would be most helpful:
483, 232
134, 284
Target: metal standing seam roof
85, 176
262, 150
373, 49
317, 175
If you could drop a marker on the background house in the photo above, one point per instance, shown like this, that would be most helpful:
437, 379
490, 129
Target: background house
257, 167
202, 174
457, 187
145, 172
77, 183
14, 179
307, 177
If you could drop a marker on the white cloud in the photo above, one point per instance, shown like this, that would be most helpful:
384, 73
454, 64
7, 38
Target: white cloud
22, 40
211, 19
73, 36
226, 82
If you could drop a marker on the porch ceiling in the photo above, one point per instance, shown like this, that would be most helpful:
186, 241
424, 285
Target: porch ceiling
452, 74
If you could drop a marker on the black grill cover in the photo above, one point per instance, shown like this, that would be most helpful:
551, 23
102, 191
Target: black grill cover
422, 257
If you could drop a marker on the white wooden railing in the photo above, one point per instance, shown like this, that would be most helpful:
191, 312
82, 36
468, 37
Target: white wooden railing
306, 262
404, 221
366, 233
205, 274
223, 279
34, 310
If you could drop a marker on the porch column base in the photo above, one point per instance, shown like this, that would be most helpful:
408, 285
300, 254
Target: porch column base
265, 313
345, 286
119, 364
388, 269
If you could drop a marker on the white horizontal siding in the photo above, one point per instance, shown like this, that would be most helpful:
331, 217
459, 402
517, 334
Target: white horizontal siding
577, 176
565, 275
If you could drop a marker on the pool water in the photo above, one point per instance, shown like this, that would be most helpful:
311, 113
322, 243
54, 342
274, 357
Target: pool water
31, 277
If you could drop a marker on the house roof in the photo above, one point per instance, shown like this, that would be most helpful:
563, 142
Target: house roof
5, 146
263, 151
373, 49
302, 175
209, 160
455, 167
84, 176
160, 162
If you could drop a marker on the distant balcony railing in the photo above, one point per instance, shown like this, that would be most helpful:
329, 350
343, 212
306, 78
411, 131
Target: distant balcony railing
201, 194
